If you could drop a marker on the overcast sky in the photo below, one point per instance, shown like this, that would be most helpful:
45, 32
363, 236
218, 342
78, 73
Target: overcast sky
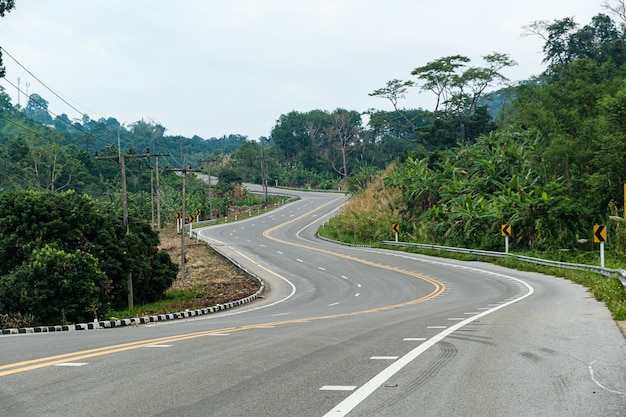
219, 67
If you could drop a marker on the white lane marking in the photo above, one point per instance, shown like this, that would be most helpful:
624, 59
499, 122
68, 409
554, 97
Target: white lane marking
291, 294
279, 314
299, 260
321, 268
358, 285
414, 339
357, 397
338, 388
384, 358
456, 319
437, 327
159, 346
357, 294
472, 313
71, 364
220, 334
279, 252
344, 277
333, 304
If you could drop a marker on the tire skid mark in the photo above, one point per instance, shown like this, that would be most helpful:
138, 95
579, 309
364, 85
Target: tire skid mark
447, 351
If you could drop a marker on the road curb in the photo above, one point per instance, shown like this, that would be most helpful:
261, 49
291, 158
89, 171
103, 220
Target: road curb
107, 324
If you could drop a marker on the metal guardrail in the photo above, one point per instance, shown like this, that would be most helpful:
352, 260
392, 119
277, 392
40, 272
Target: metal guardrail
620, 273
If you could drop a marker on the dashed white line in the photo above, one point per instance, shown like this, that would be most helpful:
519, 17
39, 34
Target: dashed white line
72, 364
357, 294
159, 346
367, 389
333, 304
338, 388
436, 327
414, 339
321, 268
384, 358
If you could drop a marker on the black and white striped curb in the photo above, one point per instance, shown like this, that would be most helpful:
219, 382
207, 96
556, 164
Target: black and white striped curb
138, 320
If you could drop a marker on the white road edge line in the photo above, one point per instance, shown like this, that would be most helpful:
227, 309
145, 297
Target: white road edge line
293, 287
358, 396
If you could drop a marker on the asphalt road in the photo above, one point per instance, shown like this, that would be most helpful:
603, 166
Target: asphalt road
341, 331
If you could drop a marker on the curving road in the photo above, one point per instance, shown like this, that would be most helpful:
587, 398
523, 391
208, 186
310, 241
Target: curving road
342, 331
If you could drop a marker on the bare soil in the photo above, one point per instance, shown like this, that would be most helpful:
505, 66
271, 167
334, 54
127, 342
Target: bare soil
210, 279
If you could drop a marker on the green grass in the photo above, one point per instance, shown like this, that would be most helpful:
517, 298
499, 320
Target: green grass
608, 290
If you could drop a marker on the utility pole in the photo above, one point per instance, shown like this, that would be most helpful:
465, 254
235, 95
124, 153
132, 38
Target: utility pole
208, 161
263, 180
122, 161
157, 188
183, 174
264, 172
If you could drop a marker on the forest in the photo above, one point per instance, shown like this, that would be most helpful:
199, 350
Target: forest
551, 162
545, 155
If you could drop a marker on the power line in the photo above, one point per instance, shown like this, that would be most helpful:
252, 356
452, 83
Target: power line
5, 52
51, 113
104, 127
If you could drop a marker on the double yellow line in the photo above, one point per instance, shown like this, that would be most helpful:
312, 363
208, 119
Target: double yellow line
33, 364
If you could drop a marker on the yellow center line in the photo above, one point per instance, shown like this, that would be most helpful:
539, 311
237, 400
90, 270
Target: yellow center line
29, 365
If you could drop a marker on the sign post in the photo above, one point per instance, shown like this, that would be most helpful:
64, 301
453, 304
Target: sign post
179, 216
396, 230
599, 236
506, 232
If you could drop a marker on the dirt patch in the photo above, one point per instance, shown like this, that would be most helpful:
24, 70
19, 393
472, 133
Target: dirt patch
622, 327
210, 279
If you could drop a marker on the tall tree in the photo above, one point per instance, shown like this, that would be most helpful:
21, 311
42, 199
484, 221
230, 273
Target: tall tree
459, 89
5, 7
341, 138
37, 109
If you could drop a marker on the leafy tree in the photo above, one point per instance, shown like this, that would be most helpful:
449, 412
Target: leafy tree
394, 91
68, 224
246, 161
37, 109
5, 7
459, 89
56, 287
565, 41
5, 100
